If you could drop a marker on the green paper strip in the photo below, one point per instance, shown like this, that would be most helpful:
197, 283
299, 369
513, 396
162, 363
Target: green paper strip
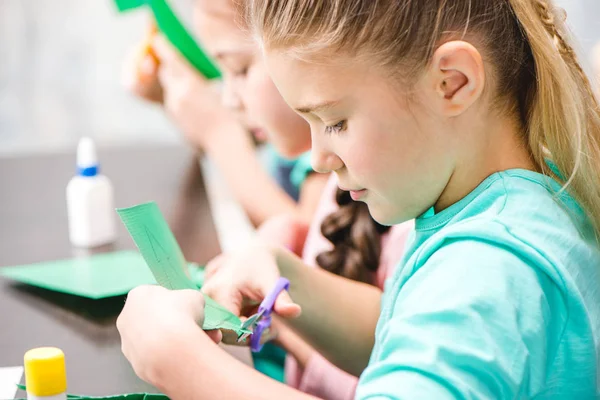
158, 246
197, 273
176, 33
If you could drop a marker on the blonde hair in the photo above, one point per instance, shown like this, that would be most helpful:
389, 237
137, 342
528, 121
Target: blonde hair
536, 72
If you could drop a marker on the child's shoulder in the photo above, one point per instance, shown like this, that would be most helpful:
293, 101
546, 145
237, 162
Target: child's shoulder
516, 217
524, 208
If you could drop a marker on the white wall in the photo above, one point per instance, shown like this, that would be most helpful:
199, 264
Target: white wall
583, 17
60, 64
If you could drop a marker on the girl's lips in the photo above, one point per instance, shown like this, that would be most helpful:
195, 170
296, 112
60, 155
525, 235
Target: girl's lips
259, 134
358, 194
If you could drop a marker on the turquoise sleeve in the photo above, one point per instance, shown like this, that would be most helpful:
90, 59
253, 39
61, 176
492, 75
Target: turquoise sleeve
272, 158
301, 170
473, 321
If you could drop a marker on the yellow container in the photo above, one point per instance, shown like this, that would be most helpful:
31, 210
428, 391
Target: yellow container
45, 372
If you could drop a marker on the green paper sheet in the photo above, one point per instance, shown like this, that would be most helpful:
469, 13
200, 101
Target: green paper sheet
130, 396
176, 33
95, 277
158, 246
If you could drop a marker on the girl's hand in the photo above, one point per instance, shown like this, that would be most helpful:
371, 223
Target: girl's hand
191, 101
241, 281
153, 320
140, 72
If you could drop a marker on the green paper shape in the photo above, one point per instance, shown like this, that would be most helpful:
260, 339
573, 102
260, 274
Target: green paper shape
197, 274
95, 277
130, 396
176, 33
158, 246
124, 5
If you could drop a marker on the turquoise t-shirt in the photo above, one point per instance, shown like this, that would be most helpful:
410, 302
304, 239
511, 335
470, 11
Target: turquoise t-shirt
498, 297
289, 174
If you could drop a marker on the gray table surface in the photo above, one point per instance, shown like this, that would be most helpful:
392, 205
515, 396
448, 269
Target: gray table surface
33, 228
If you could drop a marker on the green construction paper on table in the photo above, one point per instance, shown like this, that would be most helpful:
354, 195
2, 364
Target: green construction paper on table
176, 33
158, 246
130, 396
95, 277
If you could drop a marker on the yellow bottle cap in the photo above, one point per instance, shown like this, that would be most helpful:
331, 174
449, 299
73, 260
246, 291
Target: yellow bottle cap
45, 372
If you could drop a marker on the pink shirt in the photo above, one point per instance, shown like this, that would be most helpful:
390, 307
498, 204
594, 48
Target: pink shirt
320, 378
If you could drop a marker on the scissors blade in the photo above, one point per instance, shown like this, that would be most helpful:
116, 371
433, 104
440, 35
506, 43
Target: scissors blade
249, 324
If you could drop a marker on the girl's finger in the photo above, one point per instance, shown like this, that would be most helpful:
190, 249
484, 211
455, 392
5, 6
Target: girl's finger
213, 266
148, 67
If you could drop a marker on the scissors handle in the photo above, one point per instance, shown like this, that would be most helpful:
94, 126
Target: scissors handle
266, 308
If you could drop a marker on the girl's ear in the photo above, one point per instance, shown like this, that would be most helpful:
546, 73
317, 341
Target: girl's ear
456, 77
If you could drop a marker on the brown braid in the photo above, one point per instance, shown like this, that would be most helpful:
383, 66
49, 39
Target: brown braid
356, 240
554, 28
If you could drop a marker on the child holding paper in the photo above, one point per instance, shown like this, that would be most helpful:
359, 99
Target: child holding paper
354, 245
475, 118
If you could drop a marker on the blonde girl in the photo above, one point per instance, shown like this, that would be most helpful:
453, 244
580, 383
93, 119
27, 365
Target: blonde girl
475, 118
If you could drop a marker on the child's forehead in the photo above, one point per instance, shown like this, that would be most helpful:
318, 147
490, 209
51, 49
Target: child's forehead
218, 8
214, 14
336, 68
314, 84
218, 15
218, 30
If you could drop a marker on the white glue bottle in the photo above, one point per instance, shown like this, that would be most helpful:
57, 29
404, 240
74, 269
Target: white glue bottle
90, 202
45, 374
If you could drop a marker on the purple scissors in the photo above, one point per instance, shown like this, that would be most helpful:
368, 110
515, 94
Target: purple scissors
261, 321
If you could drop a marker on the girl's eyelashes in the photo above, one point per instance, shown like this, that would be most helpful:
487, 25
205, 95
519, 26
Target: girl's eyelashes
241, 72
336, 128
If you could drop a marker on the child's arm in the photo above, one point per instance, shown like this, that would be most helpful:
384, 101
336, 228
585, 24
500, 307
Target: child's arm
161, 338
308, 371
198, 369
286, 230
338, 317
310, 195
234, 154
323, 380
207, 125
259, 194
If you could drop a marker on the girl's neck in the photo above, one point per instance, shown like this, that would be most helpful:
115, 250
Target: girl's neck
498, 145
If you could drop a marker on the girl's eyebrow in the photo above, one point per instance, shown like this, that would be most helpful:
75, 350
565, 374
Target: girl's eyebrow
228, 54
316, 107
